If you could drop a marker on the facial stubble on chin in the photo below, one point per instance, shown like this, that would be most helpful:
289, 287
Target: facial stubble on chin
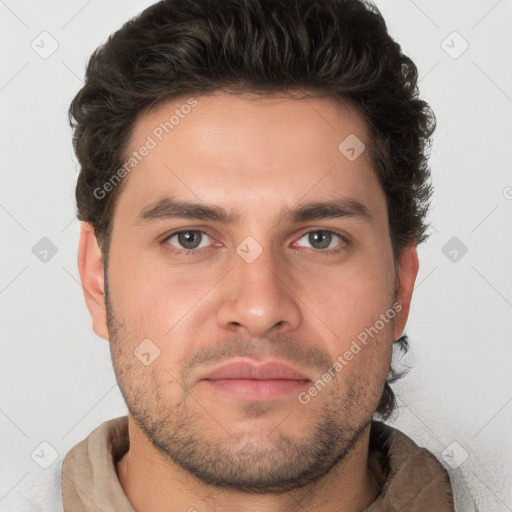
269, 464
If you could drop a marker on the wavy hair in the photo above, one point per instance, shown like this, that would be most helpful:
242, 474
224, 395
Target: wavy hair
337, 48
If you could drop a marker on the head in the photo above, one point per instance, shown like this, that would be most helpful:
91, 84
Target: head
251, 111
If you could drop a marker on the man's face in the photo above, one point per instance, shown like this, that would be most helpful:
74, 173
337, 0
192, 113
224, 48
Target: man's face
265, 287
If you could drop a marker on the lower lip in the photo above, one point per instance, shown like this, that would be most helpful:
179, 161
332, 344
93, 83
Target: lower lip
253, 389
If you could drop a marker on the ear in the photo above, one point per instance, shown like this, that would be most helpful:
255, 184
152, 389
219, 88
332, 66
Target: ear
408, 270
90, 267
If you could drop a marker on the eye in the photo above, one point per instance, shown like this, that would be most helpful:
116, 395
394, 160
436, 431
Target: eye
321, 239
188, 240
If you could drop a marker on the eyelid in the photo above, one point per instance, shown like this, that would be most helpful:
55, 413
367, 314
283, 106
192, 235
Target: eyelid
344, 239
167, 237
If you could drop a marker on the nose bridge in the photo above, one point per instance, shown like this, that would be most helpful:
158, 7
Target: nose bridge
259, 297
260, 273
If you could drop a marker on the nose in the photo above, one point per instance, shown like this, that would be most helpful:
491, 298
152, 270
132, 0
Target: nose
259, 297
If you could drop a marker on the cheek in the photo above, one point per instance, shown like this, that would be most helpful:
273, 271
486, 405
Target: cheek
167, 307
142, 294
364, 361
353, 297
157, 300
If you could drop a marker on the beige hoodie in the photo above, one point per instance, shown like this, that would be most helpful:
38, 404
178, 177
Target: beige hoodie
411, 478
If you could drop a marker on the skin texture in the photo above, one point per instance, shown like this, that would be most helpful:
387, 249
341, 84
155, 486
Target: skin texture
195, 448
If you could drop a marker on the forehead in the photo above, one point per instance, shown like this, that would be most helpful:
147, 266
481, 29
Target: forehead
246, 149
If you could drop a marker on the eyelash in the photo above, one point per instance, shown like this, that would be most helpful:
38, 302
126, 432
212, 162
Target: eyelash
192, 252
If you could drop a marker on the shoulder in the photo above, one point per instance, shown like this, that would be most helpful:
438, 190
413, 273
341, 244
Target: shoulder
427, 478
412, 477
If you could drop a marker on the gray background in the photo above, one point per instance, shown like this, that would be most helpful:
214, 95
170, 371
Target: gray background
56, 379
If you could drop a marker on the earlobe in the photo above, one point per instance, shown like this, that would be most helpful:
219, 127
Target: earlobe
409, 266
90, 267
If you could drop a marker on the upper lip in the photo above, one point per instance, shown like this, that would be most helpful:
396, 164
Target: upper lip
255, 370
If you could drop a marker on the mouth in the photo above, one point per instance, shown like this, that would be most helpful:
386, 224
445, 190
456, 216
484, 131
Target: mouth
258, 381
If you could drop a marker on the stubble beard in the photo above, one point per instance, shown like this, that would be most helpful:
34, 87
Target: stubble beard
251, 462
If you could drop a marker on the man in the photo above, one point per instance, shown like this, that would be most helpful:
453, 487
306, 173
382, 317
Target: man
253, 186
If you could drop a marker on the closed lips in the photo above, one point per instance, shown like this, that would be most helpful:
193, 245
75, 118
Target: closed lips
262, 371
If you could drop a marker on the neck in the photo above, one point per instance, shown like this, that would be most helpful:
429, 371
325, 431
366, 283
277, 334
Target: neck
153, 482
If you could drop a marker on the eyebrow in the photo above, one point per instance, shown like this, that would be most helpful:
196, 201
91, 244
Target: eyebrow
169, 207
